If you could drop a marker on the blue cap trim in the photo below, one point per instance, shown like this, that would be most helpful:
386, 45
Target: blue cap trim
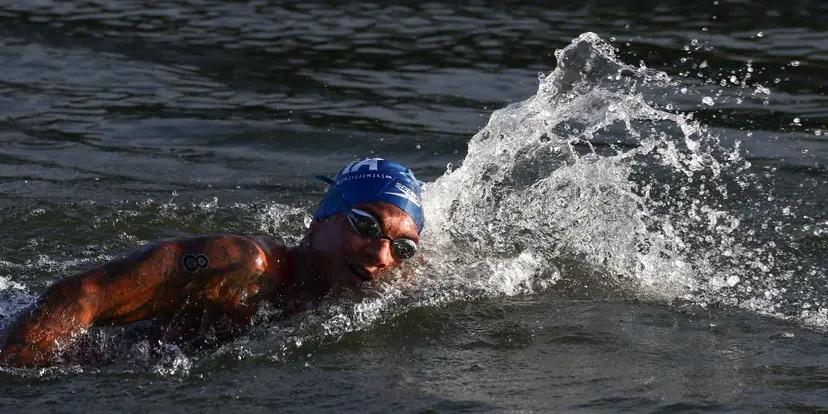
370, 180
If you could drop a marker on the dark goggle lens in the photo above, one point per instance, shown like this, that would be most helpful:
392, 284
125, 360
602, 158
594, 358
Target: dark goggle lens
403, 248
366, 226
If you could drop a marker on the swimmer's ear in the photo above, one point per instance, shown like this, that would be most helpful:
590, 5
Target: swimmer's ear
313, 227
306, 239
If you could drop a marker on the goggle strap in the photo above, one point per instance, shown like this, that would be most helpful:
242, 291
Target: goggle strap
326, 179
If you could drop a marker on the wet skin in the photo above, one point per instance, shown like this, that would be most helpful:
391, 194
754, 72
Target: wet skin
192, 284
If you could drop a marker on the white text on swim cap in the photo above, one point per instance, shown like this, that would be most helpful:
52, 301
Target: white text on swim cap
356, 177
406, 193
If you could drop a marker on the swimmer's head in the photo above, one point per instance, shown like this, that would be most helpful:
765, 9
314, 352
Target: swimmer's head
374, 180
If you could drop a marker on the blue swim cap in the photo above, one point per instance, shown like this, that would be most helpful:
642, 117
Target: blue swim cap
374, 179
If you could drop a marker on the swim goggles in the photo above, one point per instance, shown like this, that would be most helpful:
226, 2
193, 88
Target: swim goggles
368, 226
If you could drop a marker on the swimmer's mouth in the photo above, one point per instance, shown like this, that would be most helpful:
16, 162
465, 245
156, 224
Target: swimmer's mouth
360, 272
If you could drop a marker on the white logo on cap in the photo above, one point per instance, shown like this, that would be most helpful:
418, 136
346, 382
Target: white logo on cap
406, 193
371, 163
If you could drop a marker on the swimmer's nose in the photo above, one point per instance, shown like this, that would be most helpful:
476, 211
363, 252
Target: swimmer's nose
378, 256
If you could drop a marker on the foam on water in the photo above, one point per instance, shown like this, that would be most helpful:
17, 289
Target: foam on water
534, 183
591, 169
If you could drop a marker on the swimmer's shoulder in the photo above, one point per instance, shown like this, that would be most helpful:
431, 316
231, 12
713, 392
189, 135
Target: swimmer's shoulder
274, 249
234, 264
268, 242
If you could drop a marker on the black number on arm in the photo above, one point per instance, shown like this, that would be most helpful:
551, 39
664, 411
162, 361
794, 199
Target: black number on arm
194, 262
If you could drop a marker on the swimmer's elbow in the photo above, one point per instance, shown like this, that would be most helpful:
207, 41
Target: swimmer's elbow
79, 298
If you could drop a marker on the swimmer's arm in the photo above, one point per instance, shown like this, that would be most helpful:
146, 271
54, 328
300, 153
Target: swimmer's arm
152, 281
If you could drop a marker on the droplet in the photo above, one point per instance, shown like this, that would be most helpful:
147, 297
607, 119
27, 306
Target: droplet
797, 121
707, 101
419, 146
541, 76
733, 79
760, 34
762, 90
795, 63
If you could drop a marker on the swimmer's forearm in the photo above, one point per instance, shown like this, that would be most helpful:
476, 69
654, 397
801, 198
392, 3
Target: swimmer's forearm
40, 331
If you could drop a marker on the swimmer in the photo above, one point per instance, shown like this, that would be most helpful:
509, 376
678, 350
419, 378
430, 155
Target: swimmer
368, 222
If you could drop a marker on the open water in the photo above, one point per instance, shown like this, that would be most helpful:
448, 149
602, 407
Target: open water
626, 203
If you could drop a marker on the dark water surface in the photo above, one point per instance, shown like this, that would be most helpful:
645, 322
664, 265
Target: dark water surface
124, 122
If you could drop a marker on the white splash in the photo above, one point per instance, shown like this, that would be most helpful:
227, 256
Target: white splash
590, 169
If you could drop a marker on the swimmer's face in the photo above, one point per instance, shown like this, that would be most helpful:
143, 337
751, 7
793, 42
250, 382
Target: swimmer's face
347, 259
